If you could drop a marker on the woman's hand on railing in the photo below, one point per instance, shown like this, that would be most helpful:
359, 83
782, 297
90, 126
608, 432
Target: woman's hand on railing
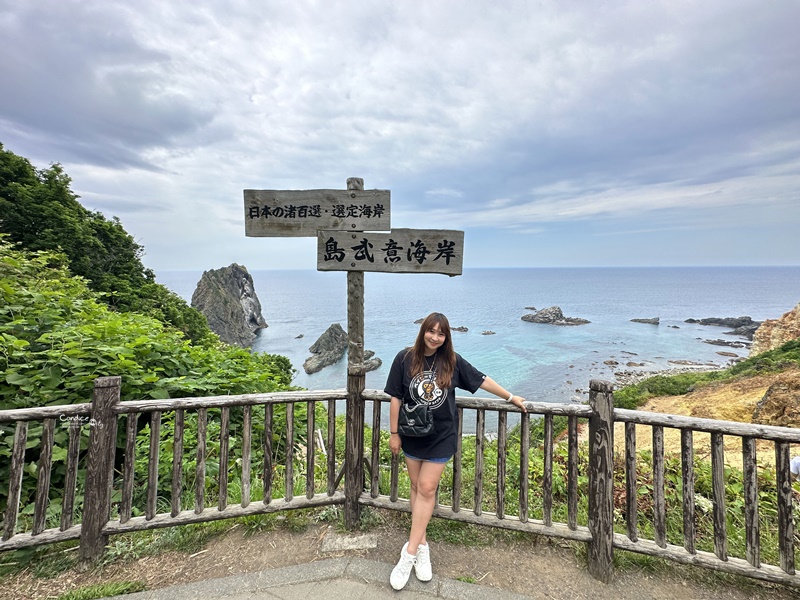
519, 402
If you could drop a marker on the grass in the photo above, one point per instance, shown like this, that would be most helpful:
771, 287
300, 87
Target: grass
103, 590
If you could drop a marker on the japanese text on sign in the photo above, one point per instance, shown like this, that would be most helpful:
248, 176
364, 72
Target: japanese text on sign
315, 211
281, 213
399, 251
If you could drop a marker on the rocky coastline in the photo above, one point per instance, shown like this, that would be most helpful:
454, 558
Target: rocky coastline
625, 378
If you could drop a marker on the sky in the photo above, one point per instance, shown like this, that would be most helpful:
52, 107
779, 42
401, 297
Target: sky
554, 133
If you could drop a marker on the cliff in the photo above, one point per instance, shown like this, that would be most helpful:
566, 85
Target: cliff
776, 332
229, 302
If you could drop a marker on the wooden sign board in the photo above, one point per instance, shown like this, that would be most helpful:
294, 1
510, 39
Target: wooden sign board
398, 251
301, 213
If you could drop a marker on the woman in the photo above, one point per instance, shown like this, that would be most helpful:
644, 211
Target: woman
428, 373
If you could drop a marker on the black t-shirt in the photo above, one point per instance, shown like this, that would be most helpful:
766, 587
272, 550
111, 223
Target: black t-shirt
422, 389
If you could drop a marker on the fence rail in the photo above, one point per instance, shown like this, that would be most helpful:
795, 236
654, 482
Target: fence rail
285, 442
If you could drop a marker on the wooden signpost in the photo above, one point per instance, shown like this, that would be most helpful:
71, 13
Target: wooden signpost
353, 231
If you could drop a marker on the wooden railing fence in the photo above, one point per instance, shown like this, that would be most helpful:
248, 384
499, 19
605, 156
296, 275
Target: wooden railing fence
108, 506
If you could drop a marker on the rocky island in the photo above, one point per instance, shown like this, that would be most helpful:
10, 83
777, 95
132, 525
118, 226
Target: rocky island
552, 316
228, 300
743, 326
329, 349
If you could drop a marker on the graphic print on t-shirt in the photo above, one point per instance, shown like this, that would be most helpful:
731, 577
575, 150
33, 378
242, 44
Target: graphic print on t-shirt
424, 390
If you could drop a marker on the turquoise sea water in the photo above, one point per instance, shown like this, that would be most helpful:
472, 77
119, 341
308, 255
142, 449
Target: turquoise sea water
540, 362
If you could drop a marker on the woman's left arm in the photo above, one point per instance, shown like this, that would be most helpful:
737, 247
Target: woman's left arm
491, 386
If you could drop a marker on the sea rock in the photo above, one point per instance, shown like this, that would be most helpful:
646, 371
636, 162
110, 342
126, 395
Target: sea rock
653, 321
776, 332
371, 362
747, 331
734, 344
487, 332
328, 349
229, 302
781, 402
553, 316
743, 326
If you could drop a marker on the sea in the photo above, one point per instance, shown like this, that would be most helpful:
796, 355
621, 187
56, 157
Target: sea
543, 363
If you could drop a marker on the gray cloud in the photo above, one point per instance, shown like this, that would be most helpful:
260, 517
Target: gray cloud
509, 117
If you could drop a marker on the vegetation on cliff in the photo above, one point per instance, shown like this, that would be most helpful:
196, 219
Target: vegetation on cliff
773, 361
57, 336
39, 211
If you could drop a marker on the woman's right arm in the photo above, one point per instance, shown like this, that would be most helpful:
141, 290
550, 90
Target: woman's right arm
394, 411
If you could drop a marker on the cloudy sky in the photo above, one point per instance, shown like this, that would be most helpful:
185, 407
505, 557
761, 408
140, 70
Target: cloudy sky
555, 133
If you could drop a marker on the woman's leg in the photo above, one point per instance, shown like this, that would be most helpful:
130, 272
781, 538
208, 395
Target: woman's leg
424, 478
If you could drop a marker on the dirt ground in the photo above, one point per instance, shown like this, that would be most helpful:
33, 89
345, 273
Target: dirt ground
533, 566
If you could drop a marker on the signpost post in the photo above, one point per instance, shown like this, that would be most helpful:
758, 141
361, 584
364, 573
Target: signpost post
353, 234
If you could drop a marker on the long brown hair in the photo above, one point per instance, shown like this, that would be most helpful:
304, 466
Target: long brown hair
445, 354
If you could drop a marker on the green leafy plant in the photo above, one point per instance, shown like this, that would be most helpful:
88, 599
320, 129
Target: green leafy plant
56, 338
104, 590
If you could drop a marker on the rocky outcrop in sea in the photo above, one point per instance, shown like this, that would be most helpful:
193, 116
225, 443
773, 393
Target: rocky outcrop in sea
552, 316
327, 350
371, 362
330, 347
228, 300
742, 326
651, 321
776, 332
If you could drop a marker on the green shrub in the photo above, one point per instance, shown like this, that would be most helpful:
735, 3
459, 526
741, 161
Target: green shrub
56, 338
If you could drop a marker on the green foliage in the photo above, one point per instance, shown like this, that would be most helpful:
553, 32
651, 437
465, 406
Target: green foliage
40, 213
104, 590
56, 338
779, 359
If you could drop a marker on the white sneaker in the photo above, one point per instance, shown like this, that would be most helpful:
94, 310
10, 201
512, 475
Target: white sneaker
422, 568
402, 570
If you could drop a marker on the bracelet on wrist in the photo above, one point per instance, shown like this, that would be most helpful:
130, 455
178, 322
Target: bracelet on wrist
394, 433
510, 397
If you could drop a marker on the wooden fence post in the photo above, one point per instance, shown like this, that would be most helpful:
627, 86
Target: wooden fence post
601, 480
356, 380
99, 468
